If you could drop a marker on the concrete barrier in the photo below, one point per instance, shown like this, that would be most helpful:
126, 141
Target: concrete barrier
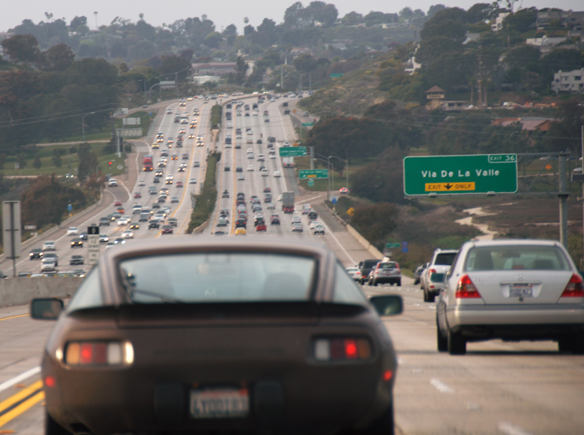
363, 241
19, 291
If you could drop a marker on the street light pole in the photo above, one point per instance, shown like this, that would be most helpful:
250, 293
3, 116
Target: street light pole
83, 124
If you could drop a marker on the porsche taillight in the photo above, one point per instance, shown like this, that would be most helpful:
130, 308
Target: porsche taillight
342, 349
466, 289
99, 353
574, 289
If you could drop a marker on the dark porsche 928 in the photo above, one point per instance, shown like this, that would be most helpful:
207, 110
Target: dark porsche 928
206, 336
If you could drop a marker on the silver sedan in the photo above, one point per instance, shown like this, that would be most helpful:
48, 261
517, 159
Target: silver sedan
511, 290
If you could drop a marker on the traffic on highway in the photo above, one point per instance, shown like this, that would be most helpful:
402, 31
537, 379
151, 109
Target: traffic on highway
272, 317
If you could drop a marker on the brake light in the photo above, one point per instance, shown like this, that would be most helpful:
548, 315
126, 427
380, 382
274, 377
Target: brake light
431, 271
397, 266
99, 353
466, 289
574, 289
339, 349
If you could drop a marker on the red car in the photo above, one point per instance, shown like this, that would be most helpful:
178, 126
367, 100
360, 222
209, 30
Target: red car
343, 190
167, 229
137, 195
261, 226
179, 184
117, 203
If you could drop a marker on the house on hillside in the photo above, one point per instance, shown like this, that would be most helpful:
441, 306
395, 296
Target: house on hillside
498, 24
527, 123
436, 96
214, 68
569, 19
545, 44
572, 81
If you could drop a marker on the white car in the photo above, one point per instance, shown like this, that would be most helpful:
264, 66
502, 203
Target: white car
141, 183
73, 231
49, 245
128, 234
193, 181
264, 172
250, 168
272, 156
271, 206
286, 144
280, 197
261, 158
47, 265
112, 182
124, 220
240, 177
277, 174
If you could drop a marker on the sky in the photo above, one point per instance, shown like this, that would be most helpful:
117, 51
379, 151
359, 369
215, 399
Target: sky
221, 12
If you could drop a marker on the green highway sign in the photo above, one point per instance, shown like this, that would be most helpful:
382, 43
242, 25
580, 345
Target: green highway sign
392, 245
459, 175
315, 174
292, 151
307, 124
335, 75
311, 182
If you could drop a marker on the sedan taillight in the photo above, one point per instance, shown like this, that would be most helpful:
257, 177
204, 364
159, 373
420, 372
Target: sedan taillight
342, 349
466, 289
574, 289
99, 353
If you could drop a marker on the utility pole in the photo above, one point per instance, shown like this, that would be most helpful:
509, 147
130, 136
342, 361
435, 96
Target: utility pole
312, 161
563, 194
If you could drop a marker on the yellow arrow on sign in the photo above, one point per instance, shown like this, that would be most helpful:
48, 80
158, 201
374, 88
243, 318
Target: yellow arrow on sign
449, 187
351, 211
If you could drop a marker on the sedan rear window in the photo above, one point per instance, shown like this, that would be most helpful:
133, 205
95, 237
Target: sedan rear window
387, 266
219, 277
516, 257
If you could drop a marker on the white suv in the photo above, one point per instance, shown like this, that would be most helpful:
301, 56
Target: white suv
113, 182
432, 279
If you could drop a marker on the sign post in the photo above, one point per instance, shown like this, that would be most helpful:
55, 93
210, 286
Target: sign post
93, 244
460, 175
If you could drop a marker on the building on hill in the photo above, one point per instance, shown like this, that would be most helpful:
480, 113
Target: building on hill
498, 24
214, 68
527, 123
545, 44
569, 19
572, 81
436, 96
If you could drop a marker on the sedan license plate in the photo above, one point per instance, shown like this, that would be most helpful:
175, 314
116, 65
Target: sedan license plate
220, 403
520, 290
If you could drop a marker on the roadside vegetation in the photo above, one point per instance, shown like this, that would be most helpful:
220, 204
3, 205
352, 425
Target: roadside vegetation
206, 199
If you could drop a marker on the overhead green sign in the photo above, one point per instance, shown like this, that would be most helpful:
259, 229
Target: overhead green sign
315, 174
392, 245
292, 151
335, 75
471, 174
307, 124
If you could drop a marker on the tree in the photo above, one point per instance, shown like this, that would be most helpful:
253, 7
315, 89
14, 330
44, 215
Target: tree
448, 28
520, 21
375, 222
432, 48
230, 30
560, 59
173, 64
241, 67
305, 63
57, 58
21, 48
406, 13
352, 18
435, 8
37, 162
565, 133
78, 21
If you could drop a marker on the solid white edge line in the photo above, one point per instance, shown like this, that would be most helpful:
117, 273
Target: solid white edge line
511, 429
9, 383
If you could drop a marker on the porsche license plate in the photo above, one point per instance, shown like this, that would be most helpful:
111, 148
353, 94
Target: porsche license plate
219, 403
520, 290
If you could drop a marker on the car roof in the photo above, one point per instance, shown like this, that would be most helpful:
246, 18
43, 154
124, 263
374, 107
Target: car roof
506, 242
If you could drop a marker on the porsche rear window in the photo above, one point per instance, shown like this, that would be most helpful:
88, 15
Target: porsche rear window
516, 257
218, 277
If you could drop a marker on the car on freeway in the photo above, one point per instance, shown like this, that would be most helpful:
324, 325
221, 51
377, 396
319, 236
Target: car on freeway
432, 278
354, 273
318, 229
196, 164
104, 221
173, 222
76, 242
167, 229
418, 272
174, 199
240, 231
250, 168
511, 290
343, 190
103, 238
127, 234
385, 272
76, 260
124, 220
240, 177
35, 253
153, 224
169, 179
72, 231
48, 265
49, 245
334, 369
225, 194
112, 182
260, 225
239, 169
142, 183
277, 174
193, 181
297, 227
365, 267
296, 219
306, 208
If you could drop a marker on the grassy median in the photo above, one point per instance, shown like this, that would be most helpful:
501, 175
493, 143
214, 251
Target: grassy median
205, 201
216, 113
